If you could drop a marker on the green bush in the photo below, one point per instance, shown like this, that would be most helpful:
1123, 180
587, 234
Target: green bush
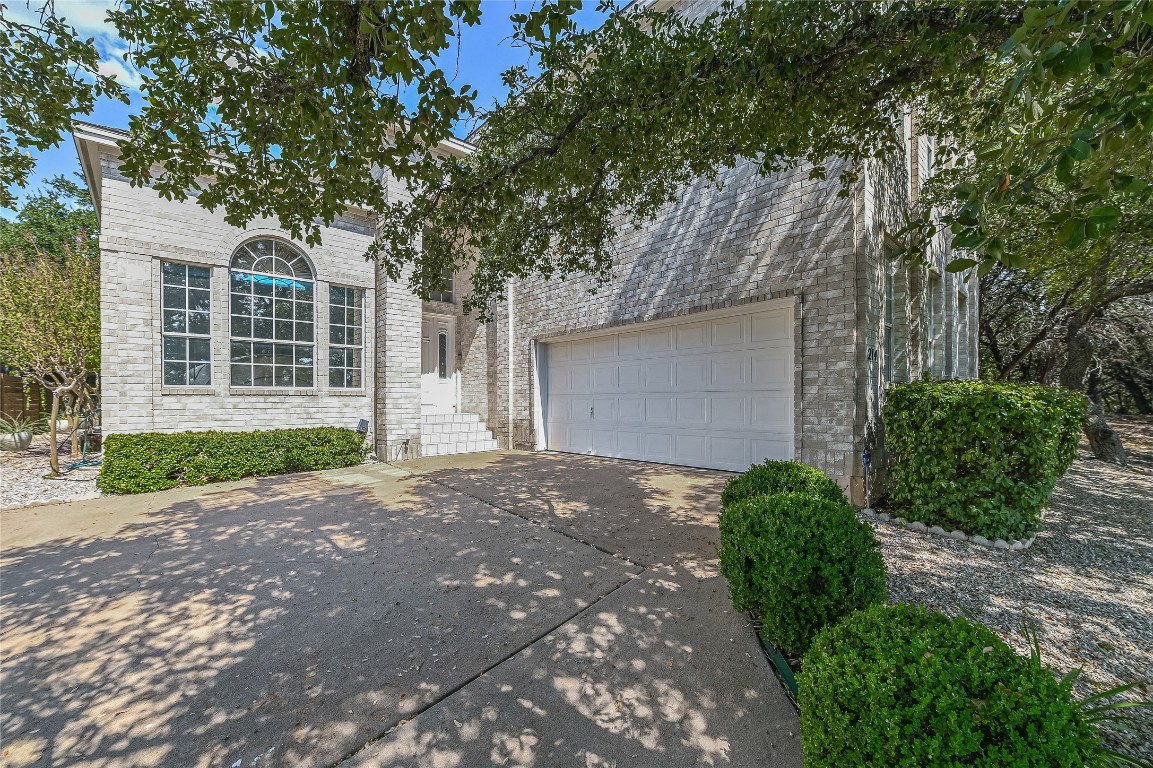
780, 477
898, 686
979, 457
152, 461
799, 563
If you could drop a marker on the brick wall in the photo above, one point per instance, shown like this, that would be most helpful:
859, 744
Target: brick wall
138, 231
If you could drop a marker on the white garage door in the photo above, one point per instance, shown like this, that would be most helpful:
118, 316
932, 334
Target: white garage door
715, 391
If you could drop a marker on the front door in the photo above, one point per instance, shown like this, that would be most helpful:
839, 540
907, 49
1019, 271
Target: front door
438, 364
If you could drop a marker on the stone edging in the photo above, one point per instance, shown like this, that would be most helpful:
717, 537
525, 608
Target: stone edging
1015, 545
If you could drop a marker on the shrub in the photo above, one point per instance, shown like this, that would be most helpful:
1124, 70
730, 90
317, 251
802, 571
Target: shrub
153, 462
780, 477
799, 562
980, 457
896, 685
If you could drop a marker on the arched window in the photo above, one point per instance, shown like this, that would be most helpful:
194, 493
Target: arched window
271, 312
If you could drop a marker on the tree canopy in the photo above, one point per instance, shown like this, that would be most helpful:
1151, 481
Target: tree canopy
292, 109
53, 220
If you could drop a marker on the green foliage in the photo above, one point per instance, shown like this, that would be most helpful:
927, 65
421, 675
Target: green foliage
48, 75
901, 687
799, 562
983, 458
146, 462
54, 220
781, 477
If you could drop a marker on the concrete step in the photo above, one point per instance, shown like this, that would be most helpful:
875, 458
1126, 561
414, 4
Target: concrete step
444, 434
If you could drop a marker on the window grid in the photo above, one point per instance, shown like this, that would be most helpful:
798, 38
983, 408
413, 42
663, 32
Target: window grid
186, 321
443, 291
271, 311
345, 337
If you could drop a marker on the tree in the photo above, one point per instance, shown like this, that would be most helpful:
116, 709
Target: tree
48, 75
56, 219
292, 108
50, 328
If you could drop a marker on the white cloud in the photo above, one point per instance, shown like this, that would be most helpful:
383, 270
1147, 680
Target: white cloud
89, 17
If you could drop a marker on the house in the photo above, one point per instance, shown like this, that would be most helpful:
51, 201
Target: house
761, 319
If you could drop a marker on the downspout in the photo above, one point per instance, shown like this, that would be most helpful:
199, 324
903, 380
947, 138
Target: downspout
511, 361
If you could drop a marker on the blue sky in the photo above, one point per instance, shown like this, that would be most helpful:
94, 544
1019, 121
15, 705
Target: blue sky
485, 52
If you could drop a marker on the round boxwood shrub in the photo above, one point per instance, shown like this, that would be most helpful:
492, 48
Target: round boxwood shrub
799, 562
899, 686
978, 456
780, 477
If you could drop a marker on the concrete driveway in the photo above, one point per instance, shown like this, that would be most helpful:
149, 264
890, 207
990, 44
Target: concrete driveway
494, 609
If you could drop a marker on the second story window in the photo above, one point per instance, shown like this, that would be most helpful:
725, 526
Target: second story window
345, 337
271, 315
186, 334
442, 291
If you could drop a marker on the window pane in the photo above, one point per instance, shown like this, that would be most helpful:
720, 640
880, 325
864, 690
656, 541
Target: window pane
260, 248
198, 322
443, 355
284, 354
240, 304
304, 292
354, 378
173, 298
303, 355
336, 295
304, 331
172, 274
336, 315
199, 349
262, 376
243, 259
336, 377
174, 348
241, 326
354, 336
262, 329
199, 373
303, 311
241, 376
261, 286
175, 374
284, 330
198, 300
175, 321
241, 283
198, 277
357, 295
354, 358
282, 309
303, 377
262, 353
336, 334
336, 357
241, 352
261, 307
282, 289
283, 376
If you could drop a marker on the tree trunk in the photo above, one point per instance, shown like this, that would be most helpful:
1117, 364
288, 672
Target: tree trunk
1103, 441
53, 455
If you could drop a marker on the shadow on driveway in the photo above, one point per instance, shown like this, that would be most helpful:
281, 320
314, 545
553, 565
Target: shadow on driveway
373, 618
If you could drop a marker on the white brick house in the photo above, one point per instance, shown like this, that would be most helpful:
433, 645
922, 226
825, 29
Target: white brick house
760, 321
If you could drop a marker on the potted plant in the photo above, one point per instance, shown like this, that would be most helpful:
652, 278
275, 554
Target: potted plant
15, 433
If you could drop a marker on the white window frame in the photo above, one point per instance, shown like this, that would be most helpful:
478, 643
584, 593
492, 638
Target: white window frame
186, 337
348, 372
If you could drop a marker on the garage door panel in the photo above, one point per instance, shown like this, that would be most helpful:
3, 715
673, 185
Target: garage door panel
692, 336
692, 375
728, 332
708, 392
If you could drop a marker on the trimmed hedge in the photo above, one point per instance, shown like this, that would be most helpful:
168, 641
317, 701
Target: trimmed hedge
781, 477
153, 462
898, 686
983, 458
800, 563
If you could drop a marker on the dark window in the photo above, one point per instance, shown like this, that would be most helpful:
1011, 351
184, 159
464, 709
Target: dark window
442, 291
442, 354
186, 327
271, 316
345, 337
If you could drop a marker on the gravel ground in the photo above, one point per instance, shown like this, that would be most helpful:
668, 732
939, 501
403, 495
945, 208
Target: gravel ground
1085, 585
22, 480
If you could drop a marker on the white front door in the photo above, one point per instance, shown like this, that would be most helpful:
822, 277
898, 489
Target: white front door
715, 390
438, 364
